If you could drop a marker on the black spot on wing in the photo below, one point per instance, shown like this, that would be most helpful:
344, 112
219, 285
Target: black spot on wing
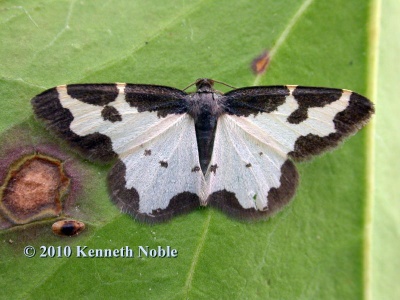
48, 108
248, 165
147, 152
254, 100
163, 164
308, 97
347, 122
110, 113
164, 100
196, 169
95, 94
213, 168
277, 197
128, 199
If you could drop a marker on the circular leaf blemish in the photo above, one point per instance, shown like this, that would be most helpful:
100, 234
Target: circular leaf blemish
33, 189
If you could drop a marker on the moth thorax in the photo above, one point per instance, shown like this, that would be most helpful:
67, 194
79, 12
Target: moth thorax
205, 103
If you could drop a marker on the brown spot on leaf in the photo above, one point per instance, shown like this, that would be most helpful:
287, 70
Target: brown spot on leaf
33, 189
68, 227
260, 63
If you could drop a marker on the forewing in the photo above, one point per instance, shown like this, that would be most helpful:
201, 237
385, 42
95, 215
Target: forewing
301, 121
264, 127
98, 119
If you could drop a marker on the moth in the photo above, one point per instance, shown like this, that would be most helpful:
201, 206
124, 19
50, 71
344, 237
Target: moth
174, 151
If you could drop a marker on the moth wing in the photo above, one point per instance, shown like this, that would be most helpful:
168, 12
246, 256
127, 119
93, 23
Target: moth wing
160, 178
99, 120
146, 127
301, 121
250, 174
246, 178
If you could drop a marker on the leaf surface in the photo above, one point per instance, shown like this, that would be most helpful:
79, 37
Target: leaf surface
312, 249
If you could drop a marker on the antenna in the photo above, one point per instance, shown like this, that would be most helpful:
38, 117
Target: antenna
212, 80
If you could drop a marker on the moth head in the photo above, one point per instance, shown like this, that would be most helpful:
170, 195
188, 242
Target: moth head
204, 85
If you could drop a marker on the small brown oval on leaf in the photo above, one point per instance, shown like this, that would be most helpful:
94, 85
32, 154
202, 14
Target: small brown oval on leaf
68, 227
260, 64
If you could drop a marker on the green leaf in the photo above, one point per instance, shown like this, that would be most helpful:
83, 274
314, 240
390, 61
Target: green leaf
385, 231
312, 249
